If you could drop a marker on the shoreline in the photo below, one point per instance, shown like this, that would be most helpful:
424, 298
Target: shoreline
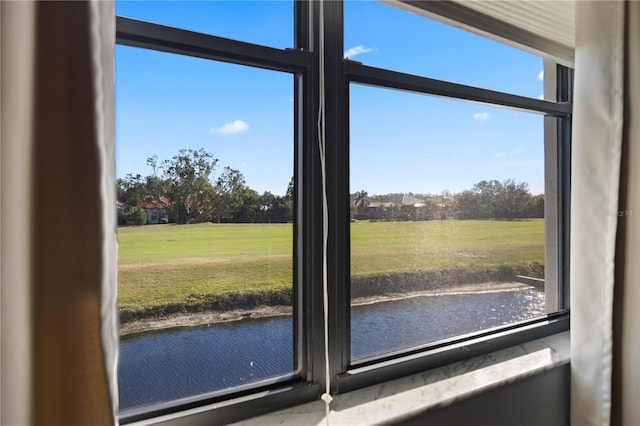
194, 319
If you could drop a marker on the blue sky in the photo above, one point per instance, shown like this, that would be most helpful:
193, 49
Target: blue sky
400, 142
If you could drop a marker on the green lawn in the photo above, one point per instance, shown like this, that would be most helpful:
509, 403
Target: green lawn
160, 264
163, 264
379, 247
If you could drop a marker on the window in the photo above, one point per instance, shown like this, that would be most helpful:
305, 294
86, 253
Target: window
226, 251
208, 134
447, 204
448, 217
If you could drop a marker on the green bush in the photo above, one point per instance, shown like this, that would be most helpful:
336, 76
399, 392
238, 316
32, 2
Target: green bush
136, 216
122, 217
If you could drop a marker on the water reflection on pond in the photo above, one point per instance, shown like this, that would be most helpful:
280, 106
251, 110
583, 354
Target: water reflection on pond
172, 364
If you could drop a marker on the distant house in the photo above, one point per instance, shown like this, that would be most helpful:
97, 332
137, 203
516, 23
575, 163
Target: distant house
389, 207
400, 200
355, 201
388, 201
155, 209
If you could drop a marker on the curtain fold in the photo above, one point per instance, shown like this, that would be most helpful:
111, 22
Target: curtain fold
102, 18
626, 306
65, 142
17, 40
72, 208
605, 233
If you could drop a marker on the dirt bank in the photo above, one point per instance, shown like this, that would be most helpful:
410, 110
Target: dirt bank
188, 319
362, 286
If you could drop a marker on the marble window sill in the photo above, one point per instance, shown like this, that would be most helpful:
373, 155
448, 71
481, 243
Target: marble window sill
407, 397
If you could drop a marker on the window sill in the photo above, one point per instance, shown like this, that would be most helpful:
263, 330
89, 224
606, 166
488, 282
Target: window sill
411, 396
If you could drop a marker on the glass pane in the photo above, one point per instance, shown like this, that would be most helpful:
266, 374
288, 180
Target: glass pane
385, 36
266, 22
447, 211
204, 162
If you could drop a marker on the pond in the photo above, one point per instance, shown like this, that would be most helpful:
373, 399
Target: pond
177, 363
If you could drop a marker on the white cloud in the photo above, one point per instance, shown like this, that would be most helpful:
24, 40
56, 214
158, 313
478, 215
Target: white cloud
500, 154
541, 75
481, 116
356, 51
232, 128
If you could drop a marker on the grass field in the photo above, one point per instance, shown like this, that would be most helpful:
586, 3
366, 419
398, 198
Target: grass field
168, 264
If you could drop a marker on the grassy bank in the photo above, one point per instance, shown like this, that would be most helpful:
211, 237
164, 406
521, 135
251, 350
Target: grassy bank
172, 268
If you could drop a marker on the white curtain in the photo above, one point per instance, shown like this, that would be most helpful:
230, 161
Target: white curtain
605, 242
59, 330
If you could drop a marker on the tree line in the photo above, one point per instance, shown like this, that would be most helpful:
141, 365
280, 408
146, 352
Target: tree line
488, 199
186, 189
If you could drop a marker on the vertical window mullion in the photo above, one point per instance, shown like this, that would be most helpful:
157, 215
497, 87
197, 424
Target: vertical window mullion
552, 201
337, 175
565, 94
309, 196
299, 96
557, 87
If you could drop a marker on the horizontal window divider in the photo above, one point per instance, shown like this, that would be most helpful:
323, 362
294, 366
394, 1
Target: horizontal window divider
358, 73
135, 33
226, 408
447, 352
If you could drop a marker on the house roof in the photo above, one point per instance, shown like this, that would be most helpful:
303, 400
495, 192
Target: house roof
390, 200
363, 200
162, 203
403, 200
